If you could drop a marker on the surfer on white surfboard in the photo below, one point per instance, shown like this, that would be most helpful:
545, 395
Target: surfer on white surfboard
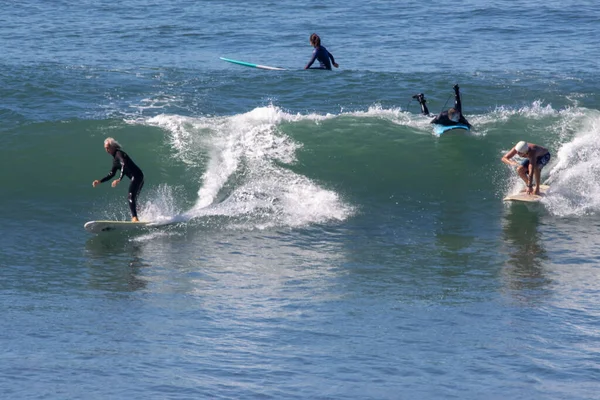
121, 161
536, 157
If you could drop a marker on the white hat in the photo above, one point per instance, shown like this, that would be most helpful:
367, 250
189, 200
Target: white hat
522, 147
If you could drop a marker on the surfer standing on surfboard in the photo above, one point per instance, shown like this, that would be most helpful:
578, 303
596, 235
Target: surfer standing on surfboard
536, 157
452, 116
320, 53
121, 161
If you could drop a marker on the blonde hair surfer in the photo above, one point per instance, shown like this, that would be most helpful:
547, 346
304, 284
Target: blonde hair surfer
121, 161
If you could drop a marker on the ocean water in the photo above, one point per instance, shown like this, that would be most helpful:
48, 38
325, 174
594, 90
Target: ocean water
323, 242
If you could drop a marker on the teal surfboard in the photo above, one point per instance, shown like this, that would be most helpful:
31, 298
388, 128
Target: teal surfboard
247, 64
439, 129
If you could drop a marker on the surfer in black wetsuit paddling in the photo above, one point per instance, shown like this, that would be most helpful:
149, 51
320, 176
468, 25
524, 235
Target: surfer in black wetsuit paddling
451, 117
121, 161
320, 53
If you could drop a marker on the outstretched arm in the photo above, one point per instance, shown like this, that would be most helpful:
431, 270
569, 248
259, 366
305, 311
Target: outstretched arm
112, 173
507, 158
332, 60
312, 60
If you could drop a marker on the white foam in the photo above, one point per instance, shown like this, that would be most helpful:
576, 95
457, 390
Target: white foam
242, 158
396, 116
575, 175
160, 205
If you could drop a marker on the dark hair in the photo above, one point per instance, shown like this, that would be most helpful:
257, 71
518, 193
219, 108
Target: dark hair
315, 40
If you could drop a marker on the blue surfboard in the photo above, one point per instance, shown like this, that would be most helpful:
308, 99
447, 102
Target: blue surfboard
439, 129
247, 64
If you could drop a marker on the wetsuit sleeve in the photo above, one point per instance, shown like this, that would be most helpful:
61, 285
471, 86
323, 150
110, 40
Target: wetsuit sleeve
312, 60
331, 57
112, 173
122, 161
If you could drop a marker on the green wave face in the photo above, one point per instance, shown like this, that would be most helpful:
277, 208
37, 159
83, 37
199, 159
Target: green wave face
272, 168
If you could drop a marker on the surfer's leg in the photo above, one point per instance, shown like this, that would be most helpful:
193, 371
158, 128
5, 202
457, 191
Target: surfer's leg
457, 102
135, 187
421, 99
522, 171
541, 162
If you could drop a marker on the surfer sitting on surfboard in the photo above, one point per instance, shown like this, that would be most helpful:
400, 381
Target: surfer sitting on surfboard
320, 53
536, 157
122, 161
451, 117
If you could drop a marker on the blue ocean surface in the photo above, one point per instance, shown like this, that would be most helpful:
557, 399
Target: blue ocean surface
316, 238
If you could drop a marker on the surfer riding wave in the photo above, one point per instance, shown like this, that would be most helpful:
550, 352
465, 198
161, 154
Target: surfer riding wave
122, 161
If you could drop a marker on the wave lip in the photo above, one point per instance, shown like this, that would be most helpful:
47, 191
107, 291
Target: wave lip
575, 187
244, 162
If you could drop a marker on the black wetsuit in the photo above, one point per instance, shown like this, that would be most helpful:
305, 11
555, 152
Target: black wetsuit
121, 161
443, 119
421, 99
320, 53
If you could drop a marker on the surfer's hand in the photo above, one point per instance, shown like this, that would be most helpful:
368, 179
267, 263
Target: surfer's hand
95, 183
115, 182
336, 65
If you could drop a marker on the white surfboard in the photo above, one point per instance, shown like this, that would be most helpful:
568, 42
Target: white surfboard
528, 198
112, 226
